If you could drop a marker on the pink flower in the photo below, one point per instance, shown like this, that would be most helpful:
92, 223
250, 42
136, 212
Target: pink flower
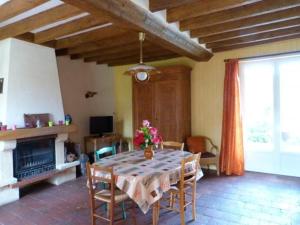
146, 135
138, 139
146, 123
156, 140
153, 131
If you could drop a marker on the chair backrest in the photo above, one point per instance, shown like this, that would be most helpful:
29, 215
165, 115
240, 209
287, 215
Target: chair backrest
189, 175
196, 144
97, 174
172, 145
104, 150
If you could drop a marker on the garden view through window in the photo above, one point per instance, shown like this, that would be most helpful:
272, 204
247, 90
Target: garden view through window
270, 91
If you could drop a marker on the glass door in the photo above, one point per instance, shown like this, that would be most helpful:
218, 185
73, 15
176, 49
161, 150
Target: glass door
289, 70
259, 116
270, 91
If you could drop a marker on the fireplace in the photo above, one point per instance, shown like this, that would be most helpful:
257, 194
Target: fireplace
34, 156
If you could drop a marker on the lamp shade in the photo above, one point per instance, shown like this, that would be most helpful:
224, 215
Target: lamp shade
142, 72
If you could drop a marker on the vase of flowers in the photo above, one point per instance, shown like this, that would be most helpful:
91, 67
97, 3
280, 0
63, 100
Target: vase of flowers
146, 137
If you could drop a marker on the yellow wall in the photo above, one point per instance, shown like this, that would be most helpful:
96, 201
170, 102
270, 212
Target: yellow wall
206, 88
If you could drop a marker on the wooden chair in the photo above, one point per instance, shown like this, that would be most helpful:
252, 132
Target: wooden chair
172, 145
110, 196
209, 151
186, 186
104, 150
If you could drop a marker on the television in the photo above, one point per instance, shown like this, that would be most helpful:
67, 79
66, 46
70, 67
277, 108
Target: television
101, 124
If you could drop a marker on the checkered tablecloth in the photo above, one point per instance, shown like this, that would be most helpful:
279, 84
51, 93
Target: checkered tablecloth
145, 180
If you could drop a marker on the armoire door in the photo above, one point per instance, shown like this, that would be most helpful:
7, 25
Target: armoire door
142, 103
166, 116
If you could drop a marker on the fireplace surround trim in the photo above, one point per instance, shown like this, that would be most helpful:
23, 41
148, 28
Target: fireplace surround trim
7, 180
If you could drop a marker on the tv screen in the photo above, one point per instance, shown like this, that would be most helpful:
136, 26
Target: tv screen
101, 124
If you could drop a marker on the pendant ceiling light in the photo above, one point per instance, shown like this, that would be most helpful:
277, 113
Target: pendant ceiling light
141, 71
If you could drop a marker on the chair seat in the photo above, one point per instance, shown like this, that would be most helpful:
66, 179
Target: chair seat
175, 188
104, 195
207, 155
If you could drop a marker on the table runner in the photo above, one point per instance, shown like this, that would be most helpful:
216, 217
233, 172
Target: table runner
145, 180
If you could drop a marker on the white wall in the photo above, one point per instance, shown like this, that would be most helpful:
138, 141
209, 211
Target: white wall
32, 83
76, 78
4, 69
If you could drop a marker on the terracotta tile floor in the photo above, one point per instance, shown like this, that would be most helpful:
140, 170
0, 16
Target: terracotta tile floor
253, 199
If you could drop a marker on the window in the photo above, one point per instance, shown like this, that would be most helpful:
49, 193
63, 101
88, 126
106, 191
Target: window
270, 90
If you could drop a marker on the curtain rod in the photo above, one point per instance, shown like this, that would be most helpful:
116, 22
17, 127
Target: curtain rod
264, 56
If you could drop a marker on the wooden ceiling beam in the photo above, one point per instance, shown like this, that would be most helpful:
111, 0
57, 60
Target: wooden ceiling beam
90, 36
246, 11
157, 5
248, 22
117, 41
115, 50
15, 7
153, 51
61, 52
244, 45
143, 20
55, 14
29, 37
128, 61
250, 31
117, 53
69, 28
203, 7
256, 37
86, 47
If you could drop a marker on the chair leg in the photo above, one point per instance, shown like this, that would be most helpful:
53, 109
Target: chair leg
123, 210
194, 202
93, 218
171, 201
181, 205
111, 214
154, 211
218, 169
157, 211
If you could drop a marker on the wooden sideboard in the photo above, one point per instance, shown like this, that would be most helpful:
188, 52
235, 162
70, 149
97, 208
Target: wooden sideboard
93, 143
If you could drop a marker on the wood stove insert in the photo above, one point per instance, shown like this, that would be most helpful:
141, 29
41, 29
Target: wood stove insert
34, 156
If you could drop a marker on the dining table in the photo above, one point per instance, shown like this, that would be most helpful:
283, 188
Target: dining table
145, 180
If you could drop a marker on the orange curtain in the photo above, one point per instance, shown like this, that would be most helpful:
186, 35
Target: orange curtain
232, 152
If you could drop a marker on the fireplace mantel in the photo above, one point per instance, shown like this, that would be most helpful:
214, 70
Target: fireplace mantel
35, 132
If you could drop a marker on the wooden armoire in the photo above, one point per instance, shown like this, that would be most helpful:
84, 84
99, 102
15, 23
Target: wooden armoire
165, 100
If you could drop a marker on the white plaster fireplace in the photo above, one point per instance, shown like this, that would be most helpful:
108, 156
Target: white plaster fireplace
31, 86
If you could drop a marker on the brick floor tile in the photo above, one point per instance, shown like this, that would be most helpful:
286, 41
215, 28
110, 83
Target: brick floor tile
252, 199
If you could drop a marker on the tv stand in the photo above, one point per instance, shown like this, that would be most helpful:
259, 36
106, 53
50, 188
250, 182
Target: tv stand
95, 142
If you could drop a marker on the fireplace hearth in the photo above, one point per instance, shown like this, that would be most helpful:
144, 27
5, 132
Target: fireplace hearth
34, 156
